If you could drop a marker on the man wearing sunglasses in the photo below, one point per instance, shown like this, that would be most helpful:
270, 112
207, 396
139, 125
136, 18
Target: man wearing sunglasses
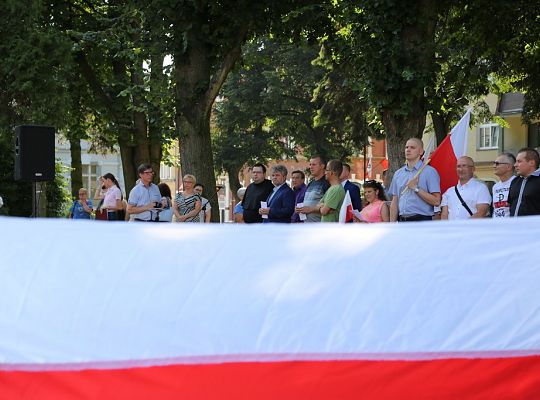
503, 168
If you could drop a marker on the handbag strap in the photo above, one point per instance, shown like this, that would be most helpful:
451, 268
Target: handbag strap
462, 202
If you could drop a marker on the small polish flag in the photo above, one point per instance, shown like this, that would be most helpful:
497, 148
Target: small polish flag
454, 146
346, 211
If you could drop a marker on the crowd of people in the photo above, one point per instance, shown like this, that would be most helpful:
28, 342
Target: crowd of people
413, 195
147, 202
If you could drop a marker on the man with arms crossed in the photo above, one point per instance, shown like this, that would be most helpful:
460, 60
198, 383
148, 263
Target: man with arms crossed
474, 193
330, 204
503, 167
315, 190
414, 196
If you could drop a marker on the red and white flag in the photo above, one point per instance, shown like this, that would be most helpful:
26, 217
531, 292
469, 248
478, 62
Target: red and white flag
346, 211
445, 156
203, 311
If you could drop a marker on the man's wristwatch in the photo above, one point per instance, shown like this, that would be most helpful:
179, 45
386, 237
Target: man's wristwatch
416, 189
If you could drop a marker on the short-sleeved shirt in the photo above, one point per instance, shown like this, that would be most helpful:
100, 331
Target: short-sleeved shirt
314, 193
410, 203
77, 210
111, 196
140, 196
333, 198
501, 208
473, 193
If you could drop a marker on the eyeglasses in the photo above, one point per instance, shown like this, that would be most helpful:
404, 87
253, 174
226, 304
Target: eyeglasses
148, 172
497, 163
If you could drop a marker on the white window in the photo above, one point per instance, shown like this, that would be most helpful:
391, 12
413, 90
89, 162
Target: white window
488, 136
166, 172
89, 178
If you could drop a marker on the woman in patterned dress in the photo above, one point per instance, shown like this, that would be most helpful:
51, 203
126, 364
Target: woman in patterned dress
376, 209
187, 205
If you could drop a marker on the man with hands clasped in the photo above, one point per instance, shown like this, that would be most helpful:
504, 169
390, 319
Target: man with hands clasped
415, 188
144, 202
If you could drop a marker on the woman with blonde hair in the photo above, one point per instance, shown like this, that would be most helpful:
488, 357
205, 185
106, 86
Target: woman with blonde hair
187, 204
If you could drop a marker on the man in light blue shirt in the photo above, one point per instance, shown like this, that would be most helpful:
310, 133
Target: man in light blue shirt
414, 194
144, 200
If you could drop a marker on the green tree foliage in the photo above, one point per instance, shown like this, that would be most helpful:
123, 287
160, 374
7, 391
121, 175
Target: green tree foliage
391, 50
206, 39
120, 52
57, 193
281, 103
32, 87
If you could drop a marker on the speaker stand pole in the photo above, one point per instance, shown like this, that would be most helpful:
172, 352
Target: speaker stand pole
34, 199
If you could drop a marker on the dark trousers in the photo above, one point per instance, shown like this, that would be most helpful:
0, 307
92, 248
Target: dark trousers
415, 218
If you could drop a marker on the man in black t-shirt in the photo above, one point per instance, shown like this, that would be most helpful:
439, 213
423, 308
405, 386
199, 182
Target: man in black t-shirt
257, 191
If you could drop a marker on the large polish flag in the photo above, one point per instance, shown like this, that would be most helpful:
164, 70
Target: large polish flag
94, 310
453, 146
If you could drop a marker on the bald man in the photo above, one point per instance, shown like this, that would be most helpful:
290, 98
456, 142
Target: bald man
475, 198
414, 194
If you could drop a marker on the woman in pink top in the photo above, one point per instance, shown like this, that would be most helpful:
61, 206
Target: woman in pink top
112, 201
376, 209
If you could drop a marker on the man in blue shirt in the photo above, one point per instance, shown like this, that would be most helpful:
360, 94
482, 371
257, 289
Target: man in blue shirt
414, 194
144, 199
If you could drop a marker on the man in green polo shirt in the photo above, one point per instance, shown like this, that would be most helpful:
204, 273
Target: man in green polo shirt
333, 198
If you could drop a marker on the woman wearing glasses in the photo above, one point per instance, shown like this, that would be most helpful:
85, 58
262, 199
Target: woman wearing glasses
376, 209
187, 205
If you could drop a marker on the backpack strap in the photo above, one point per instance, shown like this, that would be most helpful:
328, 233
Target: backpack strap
462, 202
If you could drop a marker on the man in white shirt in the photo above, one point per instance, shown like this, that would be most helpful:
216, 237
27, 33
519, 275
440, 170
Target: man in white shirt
475, 197
503, 167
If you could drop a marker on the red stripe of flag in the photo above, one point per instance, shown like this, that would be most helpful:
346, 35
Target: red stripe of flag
446, 379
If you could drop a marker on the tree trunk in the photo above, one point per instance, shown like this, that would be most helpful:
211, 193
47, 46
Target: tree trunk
198, 81
234, 182
76, 167
196, 157
441, 125
418, 44
398, 131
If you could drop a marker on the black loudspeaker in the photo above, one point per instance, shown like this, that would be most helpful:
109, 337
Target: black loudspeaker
34, 153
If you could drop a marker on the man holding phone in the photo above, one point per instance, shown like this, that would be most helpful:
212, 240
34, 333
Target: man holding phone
144, 200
